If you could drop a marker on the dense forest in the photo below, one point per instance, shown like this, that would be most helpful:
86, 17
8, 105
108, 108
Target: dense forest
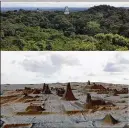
98, 28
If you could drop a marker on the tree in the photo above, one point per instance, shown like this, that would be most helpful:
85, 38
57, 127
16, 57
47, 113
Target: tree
93, 27
20, 43
48, 46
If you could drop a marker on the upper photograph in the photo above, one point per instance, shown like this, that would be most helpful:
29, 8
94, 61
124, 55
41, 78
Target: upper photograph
64, 26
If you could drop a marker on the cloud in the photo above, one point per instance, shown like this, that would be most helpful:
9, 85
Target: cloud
59, 60
113, 67
120, 63
40, 67
49, 66
91, 74
122, 60
126, 79
13, 62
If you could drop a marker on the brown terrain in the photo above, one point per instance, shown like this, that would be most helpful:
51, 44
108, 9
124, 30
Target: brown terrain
66, 100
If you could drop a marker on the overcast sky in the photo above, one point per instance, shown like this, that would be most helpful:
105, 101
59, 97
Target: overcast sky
62, 4
39, 67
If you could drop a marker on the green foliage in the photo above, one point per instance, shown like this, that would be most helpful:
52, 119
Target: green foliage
98, 28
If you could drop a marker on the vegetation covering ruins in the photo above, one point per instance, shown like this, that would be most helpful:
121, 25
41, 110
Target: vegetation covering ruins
98, 28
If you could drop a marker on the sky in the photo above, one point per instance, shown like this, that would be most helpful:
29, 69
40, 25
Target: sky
62, 4
51, 67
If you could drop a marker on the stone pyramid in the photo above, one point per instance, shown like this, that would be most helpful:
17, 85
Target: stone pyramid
126, 126
44, 85
47, 90
68, 95
66, 10
108, 119
88, 99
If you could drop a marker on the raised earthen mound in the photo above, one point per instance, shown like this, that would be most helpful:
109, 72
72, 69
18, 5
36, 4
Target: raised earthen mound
36, 91
100, 87
24, 98
68, 95
108, 119
34, 108
124, 91
60, 91
8, 99
27, 91
90, 104
126, 126
36, 96
1, 123
17, 125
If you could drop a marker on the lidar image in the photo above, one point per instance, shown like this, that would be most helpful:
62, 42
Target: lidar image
64, 90
64, 26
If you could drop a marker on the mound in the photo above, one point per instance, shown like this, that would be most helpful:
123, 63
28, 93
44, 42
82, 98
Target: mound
7, 99
36, 91
1, 123
47, 90
108, 119
17, 125
126, 126
36, 96
24, 98
33, 108
68, 95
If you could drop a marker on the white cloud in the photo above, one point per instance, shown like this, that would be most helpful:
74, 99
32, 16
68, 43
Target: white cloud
39, 67
120, 63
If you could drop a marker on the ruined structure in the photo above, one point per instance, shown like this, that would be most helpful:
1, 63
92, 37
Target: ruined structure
17, 125
108, 119
124, 91
25, 94
88, 83
44, 85
27, 90
68, 95
46, 89
95, 87
92, 103
60, 91
99, 87
88, 100
1, 123
126, 126
34, 108
113, 92
36, 91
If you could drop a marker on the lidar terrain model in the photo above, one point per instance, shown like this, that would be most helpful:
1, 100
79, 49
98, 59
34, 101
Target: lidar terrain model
64, 105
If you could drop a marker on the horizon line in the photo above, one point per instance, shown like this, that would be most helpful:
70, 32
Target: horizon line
67, 82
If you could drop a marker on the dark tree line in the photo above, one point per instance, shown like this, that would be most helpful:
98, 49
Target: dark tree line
98, 28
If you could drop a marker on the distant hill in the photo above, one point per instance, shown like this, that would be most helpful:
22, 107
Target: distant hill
42, 9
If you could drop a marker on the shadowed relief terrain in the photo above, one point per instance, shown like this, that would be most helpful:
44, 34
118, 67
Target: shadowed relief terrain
88, 105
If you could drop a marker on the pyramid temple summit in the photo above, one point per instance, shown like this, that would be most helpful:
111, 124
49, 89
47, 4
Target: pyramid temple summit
66, 10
